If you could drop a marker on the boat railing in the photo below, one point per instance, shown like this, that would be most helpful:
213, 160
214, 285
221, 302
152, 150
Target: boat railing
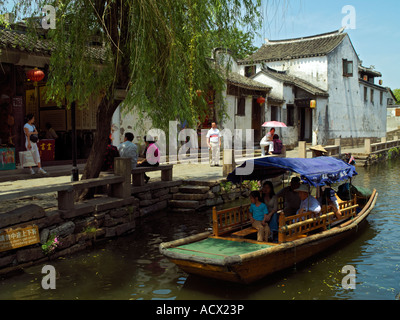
228, 220
297, 226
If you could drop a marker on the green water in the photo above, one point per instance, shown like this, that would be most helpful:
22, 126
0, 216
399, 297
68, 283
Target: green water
132, 268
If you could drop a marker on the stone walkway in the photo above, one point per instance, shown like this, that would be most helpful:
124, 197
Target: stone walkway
202, 172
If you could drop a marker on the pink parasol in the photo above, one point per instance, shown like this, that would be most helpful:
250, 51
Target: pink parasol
274, 124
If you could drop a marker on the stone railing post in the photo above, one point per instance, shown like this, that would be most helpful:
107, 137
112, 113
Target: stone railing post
338, 143
302, 149
123, 168
228, 161
367, 144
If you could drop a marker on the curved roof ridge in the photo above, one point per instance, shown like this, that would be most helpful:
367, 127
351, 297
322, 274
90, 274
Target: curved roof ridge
321, 35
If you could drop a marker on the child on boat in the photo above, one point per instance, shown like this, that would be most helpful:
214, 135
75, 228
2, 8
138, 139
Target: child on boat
259, 212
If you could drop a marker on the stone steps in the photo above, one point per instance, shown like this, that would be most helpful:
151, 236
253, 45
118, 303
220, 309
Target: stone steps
190, 196
193, 189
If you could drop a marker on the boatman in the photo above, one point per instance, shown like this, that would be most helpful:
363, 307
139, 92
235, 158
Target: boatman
214, 143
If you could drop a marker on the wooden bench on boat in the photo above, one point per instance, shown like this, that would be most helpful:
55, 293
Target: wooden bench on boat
138, 174
230, 220
235, 221
299, 226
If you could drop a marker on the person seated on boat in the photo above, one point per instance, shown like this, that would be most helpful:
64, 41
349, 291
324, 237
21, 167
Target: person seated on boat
308, 202
291, 198
269, 197
259, 212
329, 200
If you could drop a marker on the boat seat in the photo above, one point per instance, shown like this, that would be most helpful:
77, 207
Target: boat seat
245, 232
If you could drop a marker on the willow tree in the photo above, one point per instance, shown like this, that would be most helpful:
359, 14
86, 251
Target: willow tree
156, 51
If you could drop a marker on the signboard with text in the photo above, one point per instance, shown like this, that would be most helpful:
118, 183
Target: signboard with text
46, 149
17, 238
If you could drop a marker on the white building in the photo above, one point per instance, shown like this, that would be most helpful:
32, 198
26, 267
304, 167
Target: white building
324, 68
290, 74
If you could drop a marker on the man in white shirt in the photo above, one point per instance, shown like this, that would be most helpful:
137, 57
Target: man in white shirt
267, 141
214, 143
308, 202
128, 149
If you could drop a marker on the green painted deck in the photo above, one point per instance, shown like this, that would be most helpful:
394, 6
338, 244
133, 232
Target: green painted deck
218, 248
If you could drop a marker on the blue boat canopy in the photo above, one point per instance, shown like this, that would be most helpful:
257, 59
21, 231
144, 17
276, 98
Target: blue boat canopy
315, 171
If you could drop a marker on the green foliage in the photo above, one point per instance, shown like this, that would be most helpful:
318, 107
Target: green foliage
393, 153
226, 187
50, 246
155, 50
239, 42
396, 93
252, 185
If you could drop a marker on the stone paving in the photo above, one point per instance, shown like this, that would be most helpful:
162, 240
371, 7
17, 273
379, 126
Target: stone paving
202, 172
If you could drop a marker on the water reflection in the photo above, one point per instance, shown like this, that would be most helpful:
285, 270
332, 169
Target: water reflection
132, 267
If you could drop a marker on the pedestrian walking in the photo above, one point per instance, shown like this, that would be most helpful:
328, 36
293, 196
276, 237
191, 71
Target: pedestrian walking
31, 140
214, 143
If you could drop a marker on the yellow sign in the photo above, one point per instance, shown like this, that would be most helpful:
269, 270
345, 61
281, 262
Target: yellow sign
17, 238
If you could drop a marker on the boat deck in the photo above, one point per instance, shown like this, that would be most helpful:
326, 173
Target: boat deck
217, 248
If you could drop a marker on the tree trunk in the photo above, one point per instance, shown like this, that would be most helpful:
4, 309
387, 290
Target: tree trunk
94, 163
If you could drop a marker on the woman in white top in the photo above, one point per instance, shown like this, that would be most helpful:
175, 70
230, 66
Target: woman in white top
29, 130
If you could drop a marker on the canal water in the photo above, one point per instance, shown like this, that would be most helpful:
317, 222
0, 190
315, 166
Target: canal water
132, 268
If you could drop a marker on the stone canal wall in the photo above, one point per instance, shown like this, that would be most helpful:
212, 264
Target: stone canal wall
73, 233
99, 219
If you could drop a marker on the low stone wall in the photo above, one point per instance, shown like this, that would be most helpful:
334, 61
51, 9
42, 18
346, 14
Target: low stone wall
105, 217
74, 234
365, 160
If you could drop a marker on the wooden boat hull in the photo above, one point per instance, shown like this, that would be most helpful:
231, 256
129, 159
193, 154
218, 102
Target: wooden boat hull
250, 267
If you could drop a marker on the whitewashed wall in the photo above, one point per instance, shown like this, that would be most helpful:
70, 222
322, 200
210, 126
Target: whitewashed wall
347, 115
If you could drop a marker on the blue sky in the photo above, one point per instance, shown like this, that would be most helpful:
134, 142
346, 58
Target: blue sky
376, 37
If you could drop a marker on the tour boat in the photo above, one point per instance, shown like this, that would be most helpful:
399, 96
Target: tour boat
228, 253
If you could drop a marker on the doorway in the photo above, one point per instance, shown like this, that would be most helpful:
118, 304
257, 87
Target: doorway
257, 119
305, 124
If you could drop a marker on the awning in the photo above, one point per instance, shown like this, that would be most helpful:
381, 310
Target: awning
314, 172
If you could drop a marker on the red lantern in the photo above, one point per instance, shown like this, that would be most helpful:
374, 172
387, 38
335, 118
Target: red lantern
261, 100
35, 75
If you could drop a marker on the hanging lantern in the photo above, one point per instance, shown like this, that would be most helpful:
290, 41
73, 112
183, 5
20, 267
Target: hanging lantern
380, 82
365, 78
313, 104
261, 100
35, 75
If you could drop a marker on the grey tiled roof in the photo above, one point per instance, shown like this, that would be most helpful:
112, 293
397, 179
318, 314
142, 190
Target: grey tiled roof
21, 41
295, 81
313, 46
244, 82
